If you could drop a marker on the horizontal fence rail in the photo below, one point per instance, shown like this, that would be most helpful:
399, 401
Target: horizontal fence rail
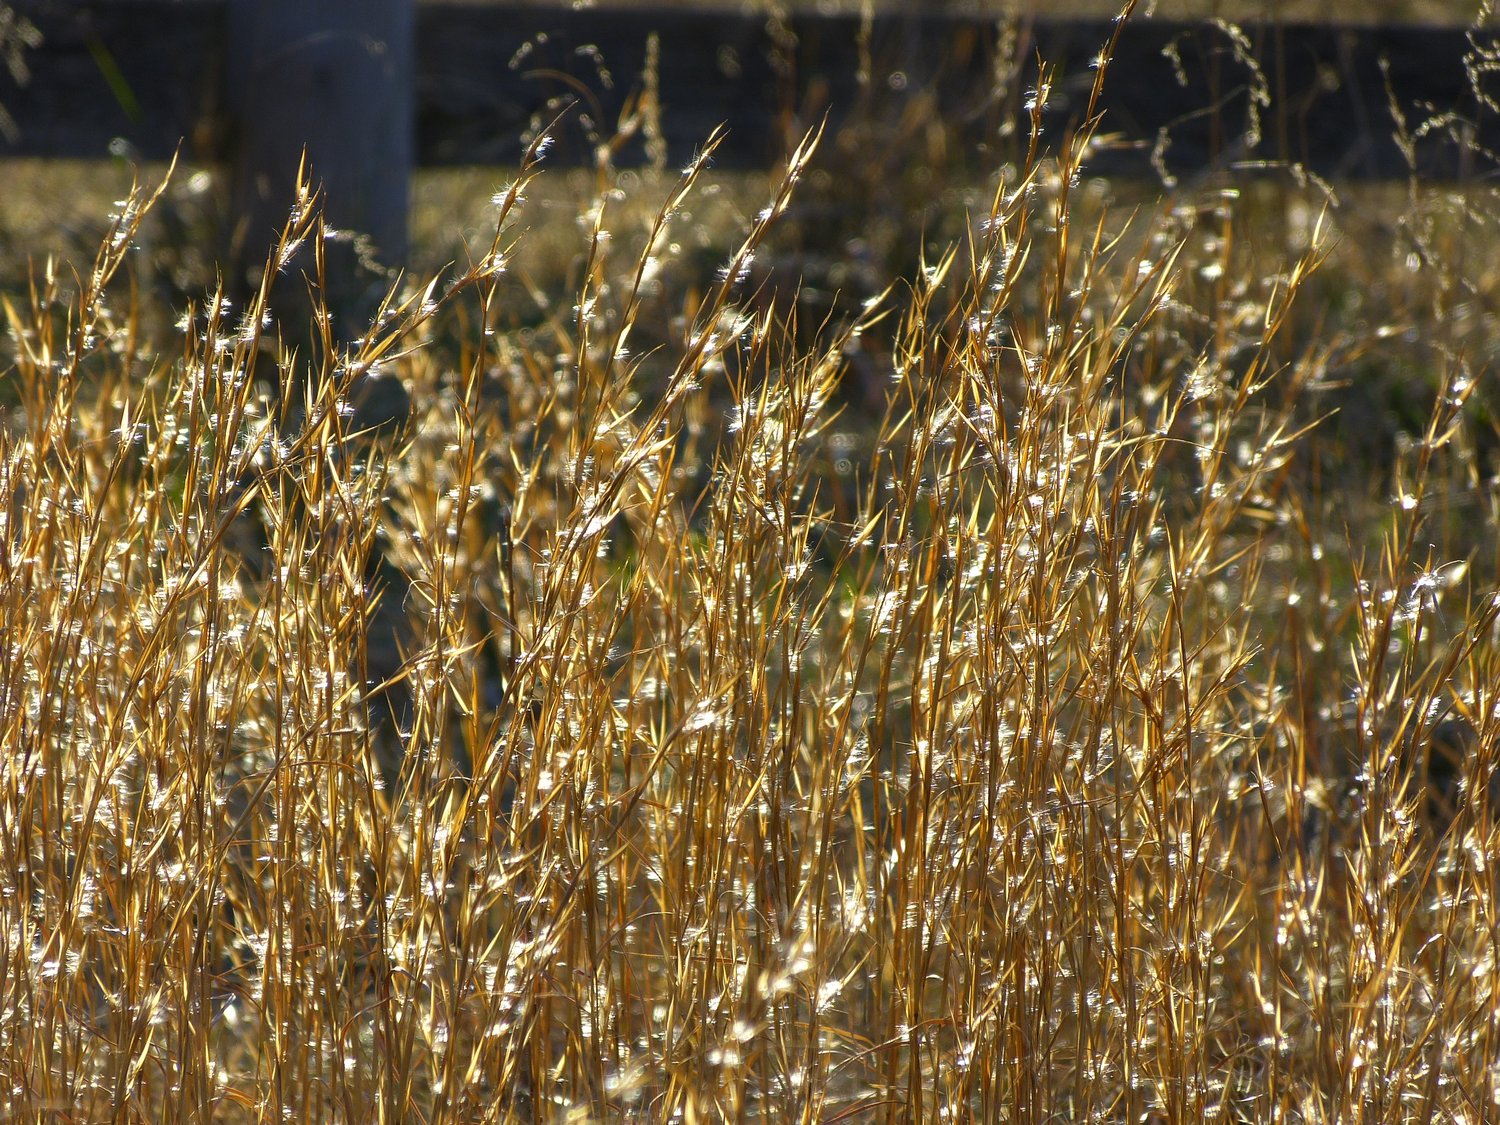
142, 78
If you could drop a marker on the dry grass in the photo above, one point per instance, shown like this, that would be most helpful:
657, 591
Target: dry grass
1006, 704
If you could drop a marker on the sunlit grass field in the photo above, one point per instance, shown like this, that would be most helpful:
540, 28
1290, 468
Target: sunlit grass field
999, 646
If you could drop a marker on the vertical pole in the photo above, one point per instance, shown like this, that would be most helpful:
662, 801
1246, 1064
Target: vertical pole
333, 78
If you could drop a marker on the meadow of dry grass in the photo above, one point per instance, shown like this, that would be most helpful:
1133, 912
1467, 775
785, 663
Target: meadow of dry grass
1060, 683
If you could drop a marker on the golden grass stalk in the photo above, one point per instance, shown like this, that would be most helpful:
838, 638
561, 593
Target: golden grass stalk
1043, 749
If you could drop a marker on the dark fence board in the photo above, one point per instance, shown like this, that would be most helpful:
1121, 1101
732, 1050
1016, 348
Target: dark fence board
145, 75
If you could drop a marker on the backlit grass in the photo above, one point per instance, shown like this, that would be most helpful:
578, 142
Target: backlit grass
1019, 696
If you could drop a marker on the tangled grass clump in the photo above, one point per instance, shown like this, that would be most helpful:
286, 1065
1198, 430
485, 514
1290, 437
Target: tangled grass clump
1050, 746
